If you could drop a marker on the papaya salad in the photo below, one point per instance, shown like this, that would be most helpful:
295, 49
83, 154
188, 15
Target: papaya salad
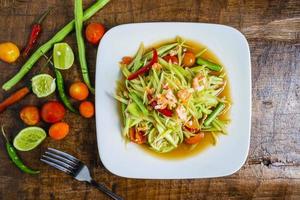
172, 95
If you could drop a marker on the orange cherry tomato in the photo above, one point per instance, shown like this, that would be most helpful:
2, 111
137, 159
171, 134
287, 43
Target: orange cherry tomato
169, 58
79, 91
86, 109
94, 32
52, 112
189, 59
137, 137
9, 52
59, 130
30, 115
126, 60
194, 139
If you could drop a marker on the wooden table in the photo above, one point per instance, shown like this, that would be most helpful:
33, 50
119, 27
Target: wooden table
272, 170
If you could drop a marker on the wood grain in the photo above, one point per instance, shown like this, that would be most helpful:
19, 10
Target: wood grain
272, 170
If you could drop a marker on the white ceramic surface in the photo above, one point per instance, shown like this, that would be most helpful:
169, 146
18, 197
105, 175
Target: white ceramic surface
128, 160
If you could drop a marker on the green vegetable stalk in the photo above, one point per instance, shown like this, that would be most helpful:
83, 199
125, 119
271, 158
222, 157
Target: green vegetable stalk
78, 13
11, 151
59, 36
213, 115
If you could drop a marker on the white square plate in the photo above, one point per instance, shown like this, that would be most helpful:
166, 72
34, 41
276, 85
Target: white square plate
229, 45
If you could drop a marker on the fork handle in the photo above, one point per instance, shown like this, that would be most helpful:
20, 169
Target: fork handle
105, 190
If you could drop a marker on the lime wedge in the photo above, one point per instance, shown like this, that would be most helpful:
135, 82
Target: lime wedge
63, 56
43, 85
29, 138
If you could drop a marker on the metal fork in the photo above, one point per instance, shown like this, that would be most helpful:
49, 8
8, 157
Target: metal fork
74, 167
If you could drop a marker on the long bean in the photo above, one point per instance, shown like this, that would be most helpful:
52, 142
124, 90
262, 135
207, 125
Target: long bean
214, 114
59, 36
209, 65
78, 13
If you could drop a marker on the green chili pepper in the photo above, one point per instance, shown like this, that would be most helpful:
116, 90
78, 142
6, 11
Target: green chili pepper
15, 158
78, 12
61, 91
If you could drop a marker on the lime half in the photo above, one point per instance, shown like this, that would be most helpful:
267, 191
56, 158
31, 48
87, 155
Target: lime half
63, 56
43, 85
29, 138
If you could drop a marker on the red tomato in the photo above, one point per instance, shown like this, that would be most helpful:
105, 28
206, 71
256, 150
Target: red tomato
169, 58
94, 32
137, 137
52, 112
189, 59
194, 139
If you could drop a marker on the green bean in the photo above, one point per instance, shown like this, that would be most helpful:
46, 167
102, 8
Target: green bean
219, 108
78, 13
59, 36
11, 151
61, 91
209, 65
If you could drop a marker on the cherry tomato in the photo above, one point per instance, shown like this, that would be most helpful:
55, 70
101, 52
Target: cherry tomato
94, 32
137, 137
194, 139
59, 130
30, 115
169, 58
126, 60
189, 59
52, 112
79, 91
86, 109
9, 52
192, 125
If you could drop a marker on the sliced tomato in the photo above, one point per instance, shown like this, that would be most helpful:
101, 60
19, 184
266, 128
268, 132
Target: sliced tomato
126, 60
169, 58
194, 139
138, 137
192, 125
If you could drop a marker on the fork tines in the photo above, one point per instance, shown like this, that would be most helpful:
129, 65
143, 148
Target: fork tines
62, 161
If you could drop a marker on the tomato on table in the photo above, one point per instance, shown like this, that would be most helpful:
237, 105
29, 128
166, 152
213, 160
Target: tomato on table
30, 115
94, 32
79, 91
86, 109
59, 130
9, 52
52, 112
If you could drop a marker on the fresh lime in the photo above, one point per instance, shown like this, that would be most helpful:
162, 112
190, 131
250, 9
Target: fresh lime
29, 138
63, 56
43, 85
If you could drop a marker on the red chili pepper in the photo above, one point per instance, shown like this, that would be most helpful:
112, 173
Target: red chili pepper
144, 69
167, 112
34, 35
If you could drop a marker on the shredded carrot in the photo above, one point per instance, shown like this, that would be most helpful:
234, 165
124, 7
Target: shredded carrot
13, 98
